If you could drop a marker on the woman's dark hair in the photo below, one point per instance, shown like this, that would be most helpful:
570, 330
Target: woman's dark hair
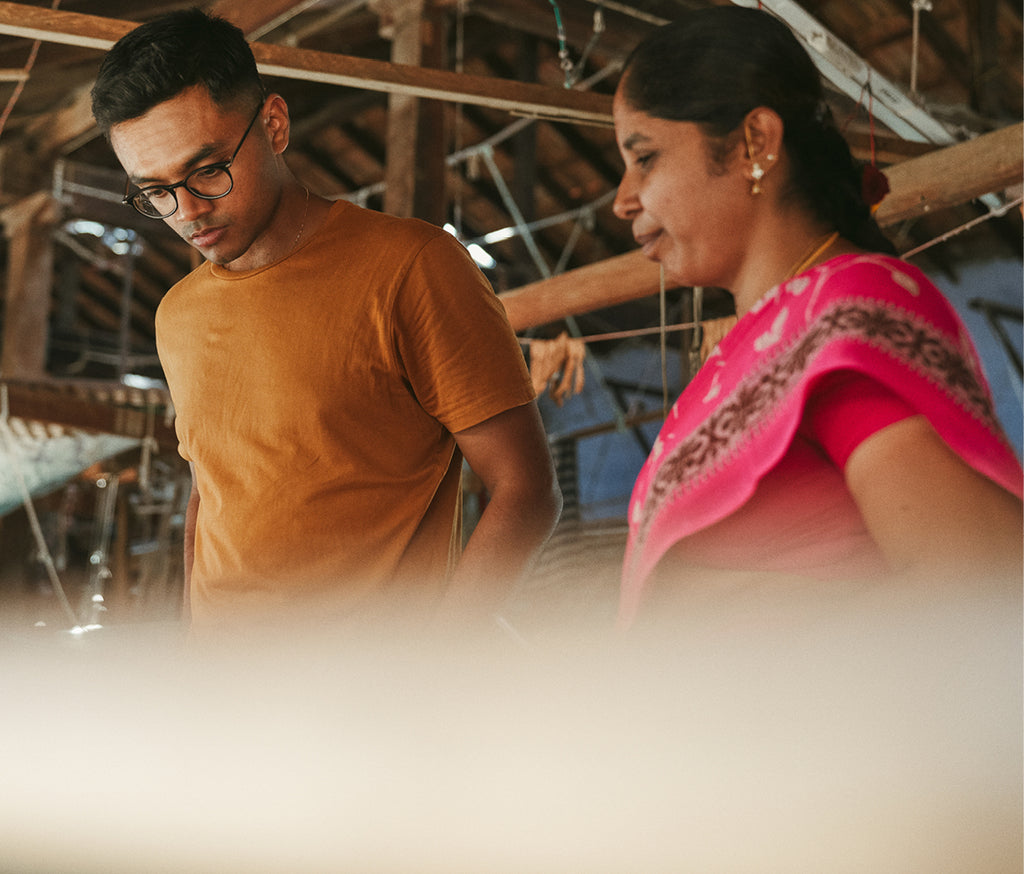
713, 66
158, 60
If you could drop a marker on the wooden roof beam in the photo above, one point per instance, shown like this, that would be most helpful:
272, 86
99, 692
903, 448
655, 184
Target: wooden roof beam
255, 19
92, 31
940, 179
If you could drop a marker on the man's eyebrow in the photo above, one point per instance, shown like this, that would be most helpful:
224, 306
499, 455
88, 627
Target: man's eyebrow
197, 159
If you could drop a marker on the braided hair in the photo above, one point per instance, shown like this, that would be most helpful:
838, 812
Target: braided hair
713, 66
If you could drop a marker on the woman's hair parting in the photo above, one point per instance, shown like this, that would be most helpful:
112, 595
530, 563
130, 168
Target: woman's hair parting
161, 58
713, 66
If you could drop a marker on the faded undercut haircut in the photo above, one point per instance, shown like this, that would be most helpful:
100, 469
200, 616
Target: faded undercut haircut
162, 58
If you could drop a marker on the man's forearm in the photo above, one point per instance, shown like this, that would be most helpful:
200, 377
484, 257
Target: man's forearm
505, 543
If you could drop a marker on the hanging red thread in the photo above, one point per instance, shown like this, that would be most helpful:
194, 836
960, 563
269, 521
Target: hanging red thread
873, 184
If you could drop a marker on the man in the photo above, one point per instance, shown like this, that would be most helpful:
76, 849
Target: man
329, 365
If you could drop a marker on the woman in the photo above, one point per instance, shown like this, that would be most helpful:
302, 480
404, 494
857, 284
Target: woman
842, 430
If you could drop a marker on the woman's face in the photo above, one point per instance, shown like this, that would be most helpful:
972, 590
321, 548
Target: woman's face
689, 212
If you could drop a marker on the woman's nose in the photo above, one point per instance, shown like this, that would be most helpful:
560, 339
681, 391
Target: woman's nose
625, 205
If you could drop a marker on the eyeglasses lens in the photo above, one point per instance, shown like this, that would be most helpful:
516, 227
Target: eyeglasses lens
209, 183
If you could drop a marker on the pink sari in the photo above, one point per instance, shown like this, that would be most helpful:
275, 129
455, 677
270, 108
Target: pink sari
738, 418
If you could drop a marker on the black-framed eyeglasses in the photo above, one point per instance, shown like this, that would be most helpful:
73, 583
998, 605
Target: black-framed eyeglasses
210, 182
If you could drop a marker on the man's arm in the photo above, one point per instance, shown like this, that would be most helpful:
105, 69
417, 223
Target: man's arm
509, 453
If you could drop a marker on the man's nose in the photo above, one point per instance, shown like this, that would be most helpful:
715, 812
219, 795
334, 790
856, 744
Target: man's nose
190, 207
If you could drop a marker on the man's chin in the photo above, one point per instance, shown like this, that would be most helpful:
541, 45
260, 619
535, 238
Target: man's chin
215, 255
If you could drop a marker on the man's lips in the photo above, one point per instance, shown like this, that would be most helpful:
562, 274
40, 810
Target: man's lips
206, 237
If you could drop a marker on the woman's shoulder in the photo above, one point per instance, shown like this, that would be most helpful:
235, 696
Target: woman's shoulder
872, 272
871, 278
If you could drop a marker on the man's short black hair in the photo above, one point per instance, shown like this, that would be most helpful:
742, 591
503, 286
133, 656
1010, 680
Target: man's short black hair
163, 57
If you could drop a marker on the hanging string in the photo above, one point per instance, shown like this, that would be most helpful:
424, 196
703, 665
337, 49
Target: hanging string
563, 50
595, 35
942, 238
13, 99
865, 89
856, 108
874, 184
871, 118
917, 6
30, 511
625, 334
460, 54
697, 341
663, 345
571, 71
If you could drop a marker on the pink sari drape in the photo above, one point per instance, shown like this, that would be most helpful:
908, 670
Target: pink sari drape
738, 417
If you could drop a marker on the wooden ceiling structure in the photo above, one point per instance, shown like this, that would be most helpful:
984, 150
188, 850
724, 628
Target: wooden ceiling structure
492, 116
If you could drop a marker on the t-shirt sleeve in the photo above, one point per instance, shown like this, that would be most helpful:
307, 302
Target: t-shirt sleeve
846, 408
457, 349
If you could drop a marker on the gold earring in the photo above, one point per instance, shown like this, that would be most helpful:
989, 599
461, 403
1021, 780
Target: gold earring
757, 172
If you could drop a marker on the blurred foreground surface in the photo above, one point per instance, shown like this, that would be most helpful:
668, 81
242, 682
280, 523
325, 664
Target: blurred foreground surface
881, 734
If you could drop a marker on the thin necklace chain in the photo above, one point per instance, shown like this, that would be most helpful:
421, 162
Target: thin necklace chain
302, 227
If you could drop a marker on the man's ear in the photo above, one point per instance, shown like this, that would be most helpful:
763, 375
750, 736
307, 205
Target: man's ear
277, 123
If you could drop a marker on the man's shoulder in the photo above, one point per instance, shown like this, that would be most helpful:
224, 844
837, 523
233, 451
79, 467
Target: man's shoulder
351, 219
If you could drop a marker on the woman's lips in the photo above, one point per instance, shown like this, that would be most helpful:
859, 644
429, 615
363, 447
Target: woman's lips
647, 242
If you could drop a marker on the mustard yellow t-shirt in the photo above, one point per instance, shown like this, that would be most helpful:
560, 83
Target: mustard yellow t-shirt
316, 398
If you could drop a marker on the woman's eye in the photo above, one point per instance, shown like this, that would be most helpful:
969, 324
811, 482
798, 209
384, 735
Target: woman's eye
643, 160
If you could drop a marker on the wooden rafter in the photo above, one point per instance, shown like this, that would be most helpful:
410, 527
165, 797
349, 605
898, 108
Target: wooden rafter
72, 28
252, 18
96, 407
940, 179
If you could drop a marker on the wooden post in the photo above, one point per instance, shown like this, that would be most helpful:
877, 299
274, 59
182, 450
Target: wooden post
28, 226
401, 21
430, 198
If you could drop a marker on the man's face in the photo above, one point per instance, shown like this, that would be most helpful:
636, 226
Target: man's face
190, 131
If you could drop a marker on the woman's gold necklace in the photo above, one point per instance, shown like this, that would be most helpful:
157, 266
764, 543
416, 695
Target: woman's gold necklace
818, 248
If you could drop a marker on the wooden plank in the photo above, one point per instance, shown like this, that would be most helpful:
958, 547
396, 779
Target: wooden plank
523, 98
595, 286
66, 28
946, 177
953, 175
92, 31
401, 20
63, 125
252, 18
55, 404
431, 200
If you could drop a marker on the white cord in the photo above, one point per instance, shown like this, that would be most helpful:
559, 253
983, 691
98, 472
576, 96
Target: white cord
37, 531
